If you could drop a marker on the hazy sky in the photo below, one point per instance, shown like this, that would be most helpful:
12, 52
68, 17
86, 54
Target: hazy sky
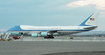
49, 12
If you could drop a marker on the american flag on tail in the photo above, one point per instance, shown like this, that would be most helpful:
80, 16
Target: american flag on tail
92, 19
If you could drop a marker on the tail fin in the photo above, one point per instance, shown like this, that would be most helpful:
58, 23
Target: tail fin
90, 21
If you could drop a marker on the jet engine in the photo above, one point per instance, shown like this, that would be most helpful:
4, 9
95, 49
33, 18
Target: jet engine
35, 35
42, 34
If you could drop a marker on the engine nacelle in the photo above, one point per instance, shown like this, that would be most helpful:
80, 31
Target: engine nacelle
42, 34
34, 35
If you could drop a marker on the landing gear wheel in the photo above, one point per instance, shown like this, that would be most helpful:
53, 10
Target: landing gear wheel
71, 37
49, 37
45, 37
52, 37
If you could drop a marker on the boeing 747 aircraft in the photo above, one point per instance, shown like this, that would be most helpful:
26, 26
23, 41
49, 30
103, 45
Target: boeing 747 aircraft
50, 31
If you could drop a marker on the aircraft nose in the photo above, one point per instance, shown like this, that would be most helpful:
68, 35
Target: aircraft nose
9, 29
15, 28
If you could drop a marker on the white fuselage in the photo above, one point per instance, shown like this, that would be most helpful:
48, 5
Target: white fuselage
60, 30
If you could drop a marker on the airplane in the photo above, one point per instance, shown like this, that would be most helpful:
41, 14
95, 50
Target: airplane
51, 31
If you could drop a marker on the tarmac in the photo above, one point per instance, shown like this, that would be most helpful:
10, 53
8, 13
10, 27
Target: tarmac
75, 39
51, 48
47, 47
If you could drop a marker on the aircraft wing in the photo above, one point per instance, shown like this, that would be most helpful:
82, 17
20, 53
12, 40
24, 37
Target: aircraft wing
30, 32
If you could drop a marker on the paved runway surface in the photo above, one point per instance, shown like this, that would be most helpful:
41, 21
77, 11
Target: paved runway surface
64, 37
76, 39
47, 47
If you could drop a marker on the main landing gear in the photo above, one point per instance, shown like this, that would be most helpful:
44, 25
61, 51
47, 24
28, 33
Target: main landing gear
49, 37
